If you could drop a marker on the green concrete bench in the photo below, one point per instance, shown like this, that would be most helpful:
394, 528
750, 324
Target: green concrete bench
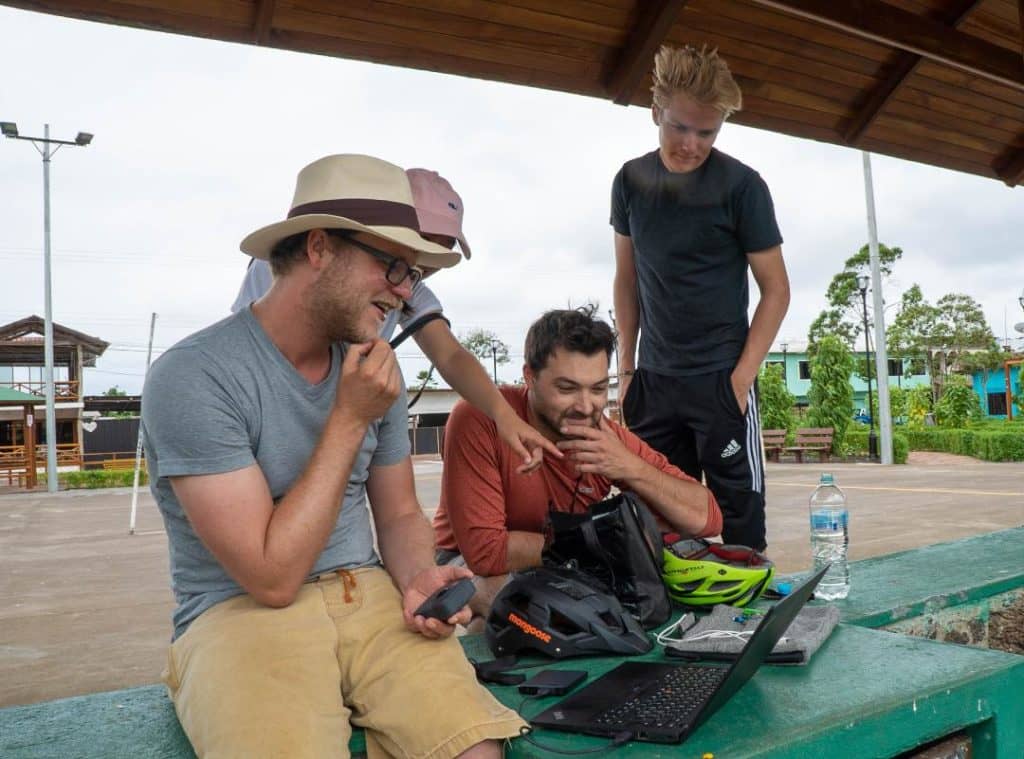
925, 581
868, 692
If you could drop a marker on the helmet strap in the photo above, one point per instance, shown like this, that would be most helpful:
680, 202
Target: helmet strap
496, 672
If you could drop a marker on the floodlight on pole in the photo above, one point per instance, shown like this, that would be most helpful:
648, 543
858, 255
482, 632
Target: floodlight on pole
10, 129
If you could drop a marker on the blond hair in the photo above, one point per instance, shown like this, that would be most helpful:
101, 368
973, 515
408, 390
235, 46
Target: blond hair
699, 74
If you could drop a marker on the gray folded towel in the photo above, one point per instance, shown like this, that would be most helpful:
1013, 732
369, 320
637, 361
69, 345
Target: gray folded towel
723, 633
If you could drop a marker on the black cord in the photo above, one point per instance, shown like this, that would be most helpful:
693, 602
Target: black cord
430, 373
575, 490
526, 733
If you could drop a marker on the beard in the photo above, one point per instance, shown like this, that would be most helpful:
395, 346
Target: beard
335, 308
554, 423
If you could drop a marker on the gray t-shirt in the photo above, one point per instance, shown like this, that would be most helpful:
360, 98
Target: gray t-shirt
258, 278
224, 399
691, 234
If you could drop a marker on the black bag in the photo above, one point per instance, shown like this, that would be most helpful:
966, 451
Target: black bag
617, 541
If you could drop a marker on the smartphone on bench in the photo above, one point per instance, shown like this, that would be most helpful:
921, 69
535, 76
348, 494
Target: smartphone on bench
553, 682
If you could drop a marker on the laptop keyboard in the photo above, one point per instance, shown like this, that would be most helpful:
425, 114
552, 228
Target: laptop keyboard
671, 704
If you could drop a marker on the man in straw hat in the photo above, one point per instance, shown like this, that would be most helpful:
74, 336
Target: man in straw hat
439, 210
689, 222
267, 435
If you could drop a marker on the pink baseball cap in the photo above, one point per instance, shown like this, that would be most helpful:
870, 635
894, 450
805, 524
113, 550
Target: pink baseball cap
438, 206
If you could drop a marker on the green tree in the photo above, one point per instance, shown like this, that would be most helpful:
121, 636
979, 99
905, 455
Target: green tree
486, 346
911, 333
844, 316
115, 391
919, 404
984, 362
831, 394
897, 405
962, 328
950, 337
959, 405
774, 402
426, 378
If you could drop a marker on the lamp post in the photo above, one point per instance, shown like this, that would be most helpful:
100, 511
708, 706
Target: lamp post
785, 369
862, 285
10, 130
494, 359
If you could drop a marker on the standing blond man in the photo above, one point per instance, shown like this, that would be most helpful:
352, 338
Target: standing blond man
689, 221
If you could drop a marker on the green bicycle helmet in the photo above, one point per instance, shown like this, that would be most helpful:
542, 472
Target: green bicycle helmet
698, 573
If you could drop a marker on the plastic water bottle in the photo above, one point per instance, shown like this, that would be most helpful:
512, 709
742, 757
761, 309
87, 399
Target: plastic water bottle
830, 538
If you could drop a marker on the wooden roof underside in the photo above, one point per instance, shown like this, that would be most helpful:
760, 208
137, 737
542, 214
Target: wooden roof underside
21, 343
935, 81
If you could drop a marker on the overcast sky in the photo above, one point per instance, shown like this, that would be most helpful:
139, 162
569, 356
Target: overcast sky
198, 143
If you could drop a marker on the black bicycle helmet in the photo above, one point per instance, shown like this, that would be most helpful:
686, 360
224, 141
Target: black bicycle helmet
561, 612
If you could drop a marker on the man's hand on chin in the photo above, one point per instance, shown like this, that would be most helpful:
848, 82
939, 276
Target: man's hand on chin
420, 588
597, 450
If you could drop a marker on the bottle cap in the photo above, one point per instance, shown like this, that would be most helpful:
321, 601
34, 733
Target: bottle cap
826, 478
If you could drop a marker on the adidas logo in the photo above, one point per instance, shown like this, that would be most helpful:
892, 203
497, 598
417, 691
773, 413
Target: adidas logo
731, 450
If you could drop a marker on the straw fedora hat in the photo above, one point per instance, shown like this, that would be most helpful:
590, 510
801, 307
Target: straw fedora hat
356, 192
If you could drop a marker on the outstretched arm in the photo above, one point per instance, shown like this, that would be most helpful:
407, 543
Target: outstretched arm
469, 379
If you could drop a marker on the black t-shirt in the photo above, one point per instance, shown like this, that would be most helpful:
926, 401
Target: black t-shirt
691, 235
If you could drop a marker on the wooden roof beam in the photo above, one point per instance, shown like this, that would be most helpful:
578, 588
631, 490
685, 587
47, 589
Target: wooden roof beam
1020, 16
902, 68
636, 57
888, 25
1011, 168
264, 21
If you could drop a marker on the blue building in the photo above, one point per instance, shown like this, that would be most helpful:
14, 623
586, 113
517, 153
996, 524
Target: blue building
792, 356
991, 389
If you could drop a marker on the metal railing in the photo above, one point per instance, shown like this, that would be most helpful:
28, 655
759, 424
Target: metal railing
13, 456
62, 389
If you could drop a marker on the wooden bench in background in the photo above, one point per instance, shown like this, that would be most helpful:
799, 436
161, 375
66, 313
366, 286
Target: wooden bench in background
812, 439
122, 464
773, 442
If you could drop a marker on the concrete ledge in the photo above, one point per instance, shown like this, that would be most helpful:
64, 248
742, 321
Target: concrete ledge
900, 586
135, 723
866, 693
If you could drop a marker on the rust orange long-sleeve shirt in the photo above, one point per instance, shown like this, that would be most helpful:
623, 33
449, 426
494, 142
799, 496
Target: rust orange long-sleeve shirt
483, 497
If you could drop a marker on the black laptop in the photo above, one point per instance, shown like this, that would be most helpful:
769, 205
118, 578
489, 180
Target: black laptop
664, 703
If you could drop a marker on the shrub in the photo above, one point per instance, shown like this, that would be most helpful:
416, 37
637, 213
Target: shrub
101, 478
918, 404
959, 405
774, 402
987, 444
831, 395
857, 444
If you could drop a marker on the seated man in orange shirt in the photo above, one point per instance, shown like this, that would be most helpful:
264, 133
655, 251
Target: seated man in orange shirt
494, 516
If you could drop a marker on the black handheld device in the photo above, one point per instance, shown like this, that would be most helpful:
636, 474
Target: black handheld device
553, 682
447, 600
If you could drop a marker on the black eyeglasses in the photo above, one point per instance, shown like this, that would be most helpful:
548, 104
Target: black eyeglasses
398, 270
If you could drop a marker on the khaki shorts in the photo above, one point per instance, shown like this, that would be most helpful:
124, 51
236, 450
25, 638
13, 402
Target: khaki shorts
252, 681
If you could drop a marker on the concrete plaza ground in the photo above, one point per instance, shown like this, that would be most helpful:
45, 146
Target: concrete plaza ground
85, 607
